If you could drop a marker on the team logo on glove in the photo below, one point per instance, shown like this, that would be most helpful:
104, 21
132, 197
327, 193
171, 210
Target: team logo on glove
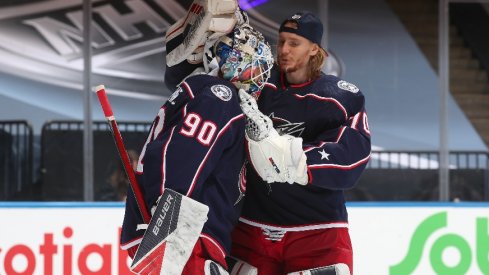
222, 92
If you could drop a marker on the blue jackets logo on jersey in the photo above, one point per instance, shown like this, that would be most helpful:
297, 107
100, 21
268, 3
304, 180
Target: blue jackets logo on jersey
222, 92
284, 126
175, 95
347, 86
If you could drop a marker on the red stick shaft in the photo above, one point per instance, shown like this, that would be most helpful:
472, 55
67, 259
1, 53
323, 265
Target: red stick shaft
109, 115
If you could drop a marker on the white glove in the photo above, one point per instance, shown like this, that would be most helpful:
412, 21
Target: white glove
215, 16
275, 158
258, 125
279, 158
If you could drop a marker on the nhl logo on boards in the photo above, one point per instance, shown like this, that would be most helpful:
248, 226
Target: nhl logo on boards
222, 92
347, 86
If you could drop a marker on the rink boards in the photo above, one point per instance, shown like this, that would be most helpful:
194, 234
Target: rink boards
388, 238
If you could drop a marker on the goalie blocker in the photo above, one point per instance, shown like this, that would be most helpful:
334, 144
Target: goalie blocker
171, 235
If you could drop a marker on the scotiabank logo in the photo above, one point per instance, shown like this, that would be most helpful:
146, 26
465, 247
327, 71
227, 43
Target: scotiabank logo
59, 254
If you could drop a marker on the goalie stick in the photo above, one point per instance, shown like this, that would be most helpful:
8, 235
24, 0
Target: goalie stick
116, 134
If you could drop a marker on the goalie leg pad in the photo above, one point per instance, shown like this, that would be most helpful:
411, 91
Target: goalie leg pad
171, 235
336, 269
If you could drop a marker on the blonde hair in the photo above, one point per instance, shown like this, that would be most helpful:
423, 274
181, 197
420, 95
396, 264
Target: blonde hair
316, 63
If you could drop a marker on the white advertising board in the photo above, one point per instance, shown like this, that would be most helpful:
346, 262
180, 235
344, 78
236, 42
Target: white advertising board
420, 239
61, 238
388, 238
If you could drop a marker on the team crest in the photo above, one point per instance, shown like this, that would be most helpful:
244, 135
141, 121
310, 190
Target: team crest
223, 92
347, 86
296, 16
175, 95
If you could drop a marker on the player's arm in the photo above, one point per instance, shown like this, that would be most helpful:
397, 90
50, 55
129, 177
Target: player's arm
340, 157
335, 106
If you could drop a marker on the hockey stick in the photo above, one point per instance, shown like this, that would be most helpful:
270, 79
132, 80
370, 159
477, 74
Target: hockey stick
116, 134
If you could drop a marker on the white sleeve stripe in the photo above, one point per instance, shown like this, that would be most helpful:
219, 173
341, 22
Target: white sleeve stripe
130, 244
221, 132
330, 99
340, 134
295, 228
338, 166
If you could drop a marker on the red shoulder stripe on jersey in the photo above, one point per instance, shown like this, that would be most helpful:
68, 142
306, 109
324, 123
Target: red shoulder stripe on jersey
188, 89
328, 99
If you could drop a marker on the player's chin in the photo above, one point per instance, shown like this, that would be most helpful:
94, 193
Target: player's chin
288, 68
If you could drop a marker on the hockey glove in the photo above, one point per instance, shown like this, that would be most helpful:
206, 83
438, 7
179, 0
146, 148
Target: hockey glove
275, 158
204, 20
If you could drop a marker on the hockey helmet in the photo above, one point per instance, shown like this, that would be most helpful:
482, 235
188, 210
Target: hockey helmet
244, 58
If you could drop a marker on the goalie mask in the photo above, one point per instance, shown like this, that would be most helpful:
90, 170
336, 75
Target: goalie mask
244, 58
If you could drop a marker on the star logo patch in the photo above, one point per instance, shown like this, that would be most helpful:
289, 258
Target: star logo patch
324, 155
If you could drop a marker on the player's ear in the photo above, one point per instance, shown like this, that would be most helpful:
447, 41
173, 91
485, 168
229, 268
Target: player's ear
314, 49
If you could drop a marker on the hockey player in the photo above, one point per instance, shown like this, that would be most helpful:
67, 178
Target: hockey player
196, 144
286, 228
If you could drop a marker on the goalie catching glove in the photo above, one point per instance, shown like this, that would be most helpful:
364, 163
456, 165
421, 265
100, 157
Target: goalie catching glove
276, 158
205, 22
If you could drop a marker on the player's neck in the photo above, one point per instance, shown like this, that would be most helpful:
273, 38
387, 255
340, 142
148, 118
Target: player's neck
297, 76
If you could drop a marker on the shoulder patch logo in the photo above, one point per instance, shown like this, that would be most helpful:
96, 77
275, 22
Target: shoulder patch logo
175, 94
222, 92
347, 86
296, 16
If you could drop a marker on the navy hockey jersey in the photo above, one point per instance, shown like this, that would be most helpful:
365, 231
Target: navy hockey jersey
329, 115
195, 147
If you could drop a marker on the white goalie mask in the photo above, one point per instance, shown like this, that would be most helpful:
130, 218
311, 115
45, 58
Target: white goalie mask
244, 58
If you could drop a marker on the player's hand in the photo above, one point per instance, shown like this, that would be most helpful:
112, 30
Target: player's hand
275, 158
258, 125
279, 158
